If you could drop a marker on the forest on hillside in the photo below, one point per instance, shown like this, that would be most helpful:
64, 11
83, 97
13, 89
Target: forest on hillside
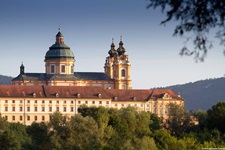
5, 80
99, 128
201, 94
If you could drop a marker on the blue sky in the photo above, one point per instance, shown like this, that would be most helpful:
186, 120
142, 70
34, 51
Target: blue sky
28, 29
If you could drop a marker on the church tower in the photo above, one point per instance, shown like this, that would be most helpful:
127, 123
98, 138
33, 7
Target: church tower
117, 66
59, 59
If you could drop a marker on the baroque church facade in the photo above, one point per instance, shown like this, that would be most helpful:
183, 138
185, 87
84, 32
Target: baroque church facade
60, 64
33, 97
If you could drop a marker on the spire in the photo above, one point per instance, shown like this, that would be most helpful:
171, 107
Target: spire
22, 69
59, 37
121, 50
112, 52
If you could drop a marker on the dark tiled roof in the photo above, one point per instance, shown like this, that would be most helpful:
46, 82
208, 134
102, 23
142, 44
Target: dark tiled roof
75, 76
92, 76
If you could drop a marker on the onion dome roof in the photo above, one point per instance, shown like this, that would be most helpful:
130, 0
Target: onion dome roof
121, 50
112, 52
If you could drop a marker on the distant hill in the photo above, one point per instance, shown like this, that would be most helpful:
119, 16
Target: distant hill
5, 80
202, 94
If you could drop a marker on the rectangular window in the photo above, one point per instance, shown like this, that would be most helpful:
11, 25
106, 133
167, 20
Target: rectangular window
43, 118
78, 102
100, 102
86, 102
50, 102
64, 109
6, 101
107, 102
28, 117
21, 101
6, 108
35, 101
21, 118
43, 109
28, 108
13, 117
63, 68
57, 102
52, 69
71, 109
93, 102
35, 118
6, 117
28, 101
71, 102
43, 101
57, 108
50, 109
64, 102
21, 108
35, 109
13, 108
13, 101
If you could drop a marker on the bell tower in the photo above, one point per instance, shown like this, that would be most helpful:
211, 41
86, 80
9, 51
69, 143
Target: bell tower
117, 66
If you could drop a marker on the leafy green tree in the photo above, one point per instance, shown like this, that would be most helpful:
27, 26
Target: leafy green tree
8, 141
216, 117
155, 122
3, 123
196, 18
84, 133
40, 136
179, 119
14, 137
201, 116
57, 120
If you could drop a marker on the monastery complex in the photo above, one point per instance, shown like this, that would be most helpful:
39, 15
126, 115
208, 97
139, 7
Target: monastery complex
34, 96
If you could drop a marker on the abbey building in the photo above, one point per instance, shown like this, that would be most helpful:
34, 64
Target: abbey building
60, 67
34, 96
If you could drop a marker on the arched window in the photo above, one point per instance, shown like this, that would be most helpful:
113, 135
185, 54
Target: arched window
123, 74
52, 69
123, 86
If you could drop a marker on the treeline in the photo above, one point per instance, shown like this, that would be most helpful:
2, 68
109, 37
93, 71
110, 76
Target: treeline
5, 80
99, 128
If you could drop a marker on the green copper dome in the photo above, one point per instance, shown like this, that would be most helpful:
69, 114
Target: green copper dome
59, 50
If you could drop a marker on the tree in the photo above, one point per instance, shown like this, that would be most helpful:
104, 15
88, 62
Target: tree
196, 18
40, 138
179, 119
216, 117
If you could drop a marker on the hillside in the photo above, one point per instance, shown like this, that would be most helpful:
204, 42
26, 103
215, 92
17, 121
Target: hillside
5, 80
201, 94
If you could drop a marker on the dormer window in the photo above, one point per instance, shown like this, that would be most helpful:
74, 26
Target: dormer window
34, 94
78, 95
99, 95
56, 95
